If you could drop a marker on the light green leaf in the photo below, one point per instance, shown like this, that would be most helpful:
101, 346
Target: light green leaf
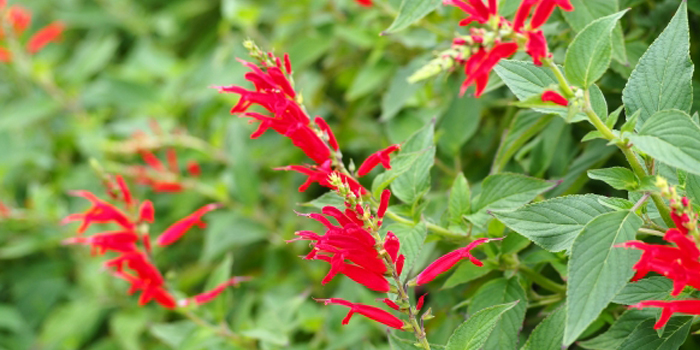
506, 191
692, 187
671, 138
548, 335
500, 291
411, 185
412, 239
597, 269
473, 333
227, 230
410, 12
460, 199
588, 56
173, 333
524, 127
662, 78
327, 199
555, 223
619, 331
586, 11
398, 93
644, 337
617, 177
652, 288
400, 344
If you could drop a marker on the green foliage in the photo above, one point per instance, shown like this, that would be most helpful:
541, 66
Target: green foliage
410, 12
475, 331
549, 334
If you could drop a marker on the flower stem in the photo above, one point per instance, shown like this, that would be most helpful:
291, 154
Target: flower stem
438, 230
542, 281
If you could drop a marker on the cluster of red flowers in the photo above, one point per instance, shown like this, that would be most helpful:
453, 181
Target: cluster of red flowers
133, 263
162, 178
678, 262
274, 92
505, 37
19, 19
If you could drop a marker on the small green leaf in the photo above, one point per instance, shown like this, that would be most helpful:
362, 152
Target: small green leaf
555, 223
473, 333
597, 269
548, 335
412, 239
399, 92
663, 77
500, 291
613, 117
411, 185
460, 199
692, 187
465, 112
619, 331
671, 138
588, 56
644, 337
617, 177
410, 12
652, 288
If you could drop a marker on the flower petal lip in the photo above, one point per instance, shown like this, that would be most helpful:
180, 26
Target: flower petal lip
553, 96
44, 36
368, 311
173, 233
447, 261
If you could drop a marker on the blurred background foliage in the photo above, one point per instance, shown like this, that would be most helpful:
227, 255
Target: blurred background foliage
125, 66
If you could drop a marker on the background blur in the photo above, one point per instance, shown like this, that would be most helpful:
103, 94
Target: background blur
124, 66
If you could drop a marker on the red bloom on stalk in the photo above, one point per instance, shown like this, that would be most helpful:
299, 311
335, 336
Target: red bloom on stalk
208, 296
479, 66
536, 47
544, 11
379, 157
476, 9
44, 36
368, 311
116, 241
691, 307
173, 233
19, 18
447, 261
321, 175
366, 3
5, 55
100, 212
553, 96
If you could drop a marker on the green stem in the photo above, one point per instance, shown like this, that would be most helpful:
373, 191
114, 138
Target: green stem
542, 281
438, 230
563, 84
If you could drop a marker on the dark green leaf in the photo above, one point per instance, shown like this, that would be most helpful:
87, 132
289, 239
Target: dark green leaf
652, 288
617, 177
501, 291
549, 334
473, 333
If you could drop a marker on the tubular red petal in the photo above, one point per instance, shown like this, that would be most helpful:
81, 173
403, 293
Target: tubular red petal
287, 64
399, 263
19, 17
376, 158
153, 161
384, 203
421, 300
146, 212
522, 13
126, 193
171, 157
536, 47
447, 261
544, 11
5, 55
553, 96
326, 129
178, 229
368, 311
392, 245
193, 168
44, 36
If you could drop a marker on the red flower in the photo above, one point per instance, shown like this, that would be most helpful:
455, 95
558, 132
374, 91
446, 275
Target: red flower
19, 18
372, 280
5, 55
447, 261
390, 303
178, 229
479, 65
420, 302
553, 96
691, 307
545, 9
477, 11
208, 296
193, 168
116, 241
365, 3
379, 157
146, 278
326, 129
146, 212
321, 174
384, 203
537, 47
44, 36
100, 212
368, 311
523, 13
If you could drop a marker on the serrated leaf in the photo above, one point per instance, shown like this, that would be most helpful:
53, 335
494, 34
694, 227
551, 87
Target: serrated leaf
671, 138
652, 288
507, 191
613, 117
412, 239
524, 127
548, 335
460, 199
500, 291
619, 331
644, 337
554, 224
663, 77
473, 333
692, 188
597, 269
588, 56
617, 177
327, 199
589, 10
410, 12
465, 112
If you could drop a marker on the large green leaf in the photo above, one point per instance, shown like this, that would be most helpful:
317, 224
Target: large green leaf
555, 223
524, 127
588, 11
502, 192
617, 177
410, 12
548, 335
473, 333
460, 199
597, 269
692, 187
500, 291
619, 331
672, 138
652, 288
465, 112
644, 337
588, 56
662, 78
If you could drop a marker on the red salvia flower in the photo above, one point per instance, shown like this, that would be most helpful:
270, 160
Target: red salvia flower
476, 9
447, 261
5, 55
44, 36
384, 203
19, 17
173, 233
321, 174
379, 157
368, 311
553, 96
126, 193
390, 303
327, 130
479, 65
193, 168
536, 47
690, 307
146, 212
208, 296
100, 212
116, 241
365, 3
523, 13
420, 302
545, 9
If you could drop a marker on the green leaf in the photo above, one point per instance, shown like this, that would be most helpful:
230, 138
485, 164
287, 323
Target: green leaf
327, 199
411, 185
496, 292
589, 10
588, 56
398, 93
644, 337
617, 177
548, 335
554, 224
173, 333
412, 239
460, 199
400, 344
597, 269
465, 112
473, 333
692, 188
506, 191
671, 138
662, 78
227, 230
652, 288
619, 331
410, 12
524, 127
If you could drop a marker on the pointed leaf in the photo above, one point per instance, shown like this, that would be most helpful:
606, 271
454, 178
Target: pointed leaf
548, 335
617, 177
410, 12
619, 331
499, 291
473, 333
460, 199
652, 288
644, 337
